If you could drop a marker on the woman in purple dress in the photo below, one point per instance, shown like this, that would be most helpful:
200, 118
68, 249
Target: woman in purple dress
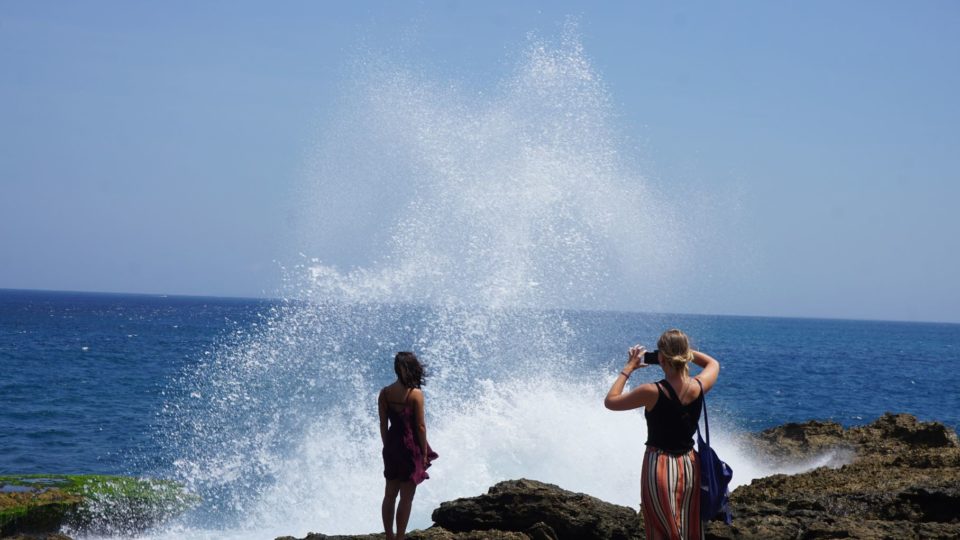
406, 454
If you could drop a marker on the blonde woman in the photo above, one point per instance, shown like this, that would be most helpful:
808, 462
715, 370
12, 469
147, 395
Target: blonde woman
670, 477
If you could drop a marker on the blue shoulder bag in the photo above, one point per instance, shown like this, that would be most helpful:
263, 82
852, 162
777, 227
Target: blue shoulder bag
715, 476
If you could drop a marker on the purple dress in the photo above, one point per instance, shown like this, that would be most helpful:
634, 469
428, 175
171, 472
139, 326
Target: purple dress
402, 457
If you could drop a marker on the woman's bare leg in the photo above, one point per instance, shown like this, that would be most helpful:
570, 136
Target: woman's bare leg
407, 490
389, 502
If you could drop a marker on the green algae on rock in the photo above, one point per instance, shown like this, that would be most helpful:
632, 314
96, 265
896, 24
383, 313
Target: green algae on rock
97, 503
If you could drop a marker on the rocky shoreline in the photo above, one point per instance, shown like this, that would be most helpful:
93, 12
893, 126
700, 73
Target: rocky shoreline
901, 480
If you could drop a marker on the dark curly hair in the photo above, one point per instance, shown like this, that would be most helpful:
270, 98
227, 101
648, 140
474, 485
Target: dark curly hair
409, 370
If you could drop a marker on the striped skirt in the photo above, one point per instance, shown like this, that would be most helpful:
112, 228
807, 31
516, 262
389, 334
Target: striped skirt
670, 495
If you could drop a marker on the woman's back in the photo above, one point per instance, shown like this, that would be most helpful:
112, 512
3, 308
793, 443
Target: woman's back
399, 411
396, 395
672, 423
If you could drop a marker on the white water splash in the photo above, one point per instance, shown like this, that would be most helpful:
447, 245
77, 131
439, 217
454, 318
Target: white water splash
486, 210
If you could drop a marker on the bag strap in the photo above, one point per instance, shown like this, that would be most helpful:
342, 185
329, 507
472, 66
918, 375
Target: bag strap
706, 421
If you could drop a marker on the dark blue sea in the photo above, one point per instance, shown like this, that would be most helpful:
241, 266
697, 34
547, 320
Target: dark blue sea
85, 376
266, 408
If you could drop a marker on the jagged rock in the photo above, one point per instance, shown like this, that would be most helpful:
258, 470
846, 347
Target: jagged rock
891, 434
518, 505
901, 432
902, 483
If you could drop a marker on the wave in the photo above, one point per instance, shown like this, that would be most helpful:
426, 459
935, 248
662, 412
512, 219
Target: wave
481, 217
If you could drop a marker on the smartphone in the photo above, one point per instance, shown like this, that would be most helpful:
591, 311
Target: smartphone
651, 357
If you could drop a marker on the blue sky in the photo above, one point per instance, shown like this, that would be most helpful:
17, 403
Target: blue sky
161, 147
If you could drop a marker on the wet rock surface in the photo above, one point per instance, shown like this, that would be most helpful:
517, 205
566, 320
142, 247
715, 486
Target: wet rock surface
537, 508
901, 480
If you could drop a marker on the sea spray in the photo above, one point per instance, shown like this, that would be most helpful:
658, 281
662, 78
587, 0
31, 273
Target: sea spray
517, 196
503, 211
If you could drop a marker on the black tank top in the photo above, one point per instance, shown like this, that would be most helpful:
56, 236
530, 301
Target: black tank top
671, 424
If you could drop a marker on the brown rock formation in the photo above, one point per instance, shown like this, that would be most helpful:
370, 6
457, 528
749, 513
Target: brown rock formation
528, 505
904, 482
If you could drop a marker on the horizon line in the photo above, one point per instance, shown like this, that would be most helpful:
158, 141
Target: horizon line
594, 310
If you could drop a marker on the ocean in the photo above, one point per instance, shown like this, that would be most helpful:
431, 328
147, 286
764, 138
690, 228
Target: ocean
460, 223
207, 391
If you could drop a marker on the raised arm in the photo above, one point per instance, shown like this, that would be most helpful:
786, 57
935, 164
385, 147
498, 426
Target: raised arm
711, 368
416, 396
382, 409
644, 395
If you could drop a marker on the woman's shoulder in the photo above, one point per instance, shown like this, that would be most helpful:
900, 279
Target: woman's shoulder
649, 389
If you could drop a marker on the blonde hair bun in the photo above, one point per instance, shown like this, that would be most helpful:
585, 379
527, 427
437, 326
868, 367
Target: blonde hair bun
674, 348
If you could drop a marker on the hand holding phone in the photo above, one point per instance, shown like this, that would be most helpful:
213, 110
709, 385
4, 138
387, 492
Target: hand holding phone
635, 357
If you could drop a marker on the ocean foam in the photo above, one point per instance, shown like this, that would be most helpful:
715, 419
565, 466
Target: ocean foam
497, 207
